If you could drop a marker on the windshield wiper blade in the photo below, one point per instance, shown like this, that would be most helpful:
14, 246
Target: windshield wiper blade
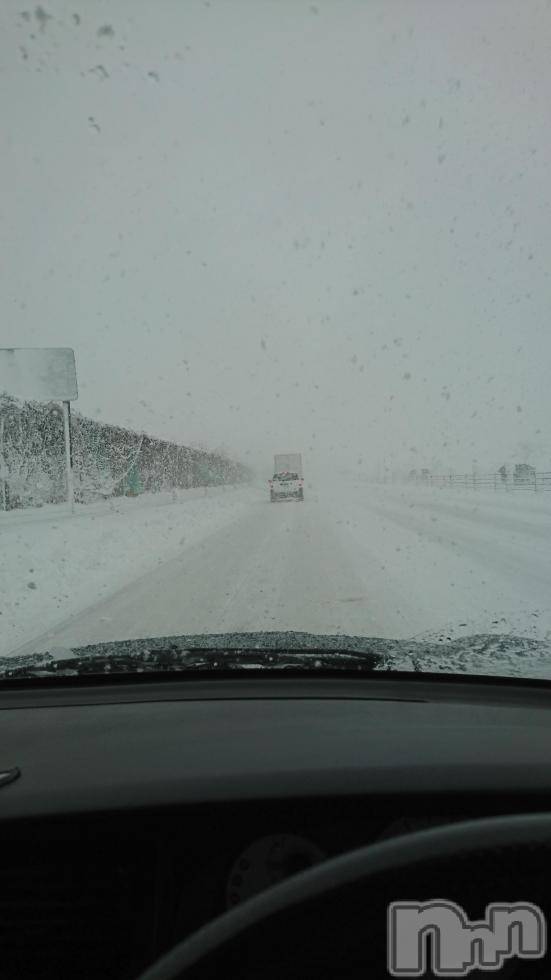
203, 653
172, 660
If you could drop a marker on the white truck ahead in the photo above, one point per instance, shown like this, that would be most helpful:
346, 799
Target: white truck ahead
287, 482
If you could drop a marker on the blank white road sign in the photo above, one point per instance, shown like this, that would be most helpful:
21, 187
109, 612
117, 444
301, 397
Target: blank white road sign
39, 373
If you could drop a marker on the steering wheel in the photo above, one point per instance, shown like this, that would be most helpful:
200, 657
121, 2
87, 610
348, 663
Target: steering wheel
328, 883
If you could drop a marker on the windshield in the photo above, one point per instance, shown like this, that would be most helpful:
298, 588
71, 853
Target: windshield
311, 240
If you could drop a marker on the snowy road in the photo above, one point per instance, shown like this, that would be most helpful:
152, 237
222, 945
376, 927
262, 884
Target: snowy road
379, 561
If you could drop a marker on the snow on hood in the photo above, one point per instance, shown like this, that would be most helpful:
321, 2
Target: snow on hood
481, 654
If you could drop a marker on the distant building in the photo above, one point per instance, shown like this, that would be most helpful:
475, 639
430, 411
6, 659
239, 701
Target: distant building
524, 473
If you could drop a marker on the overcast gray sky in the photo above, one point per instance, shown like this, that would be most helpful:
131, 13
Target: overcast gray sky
318, 226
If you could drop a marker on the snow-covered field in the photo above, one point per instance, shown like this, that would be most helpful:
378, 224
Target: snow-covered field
385, 561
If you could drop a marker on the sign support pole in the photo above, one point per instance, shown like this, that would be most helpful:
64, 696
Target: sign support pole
2, 464
69, 455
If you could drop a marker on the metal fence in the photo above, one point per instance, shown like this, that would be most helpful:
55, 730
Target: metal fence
535, 481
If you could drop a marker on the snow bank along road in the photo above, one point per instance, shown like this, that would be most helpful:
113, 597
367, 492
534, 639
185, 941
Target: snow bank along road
380, 561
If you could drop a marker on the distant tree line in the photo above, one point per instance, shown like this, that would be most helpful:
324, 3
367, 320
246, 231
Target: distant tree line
107, 460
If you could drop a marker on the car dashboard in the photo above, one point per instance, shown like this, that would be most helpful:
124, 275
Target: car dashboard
144, 810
